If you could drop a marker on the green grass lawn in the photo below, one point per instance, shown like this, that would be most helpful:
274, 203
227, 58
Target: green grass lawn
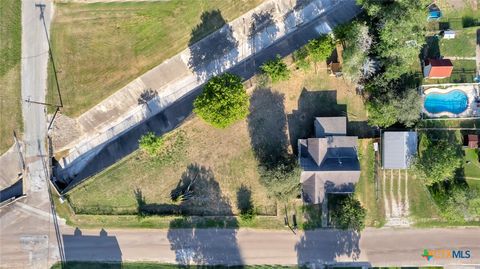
472, 168
463, 45
422, 206
10, 54
100, 47
365, 189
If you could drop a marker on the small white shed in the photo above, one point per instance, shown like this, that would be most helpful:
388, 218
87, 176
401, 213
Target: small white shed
449, 34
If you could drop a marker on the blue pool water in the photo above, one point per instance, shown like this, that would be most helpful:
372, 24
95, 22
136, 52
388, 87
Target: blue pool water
455, 101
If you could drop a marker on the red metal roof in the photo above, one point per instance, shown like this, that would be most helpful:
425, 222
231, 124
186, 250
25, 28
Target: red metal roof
472, 141
441, 68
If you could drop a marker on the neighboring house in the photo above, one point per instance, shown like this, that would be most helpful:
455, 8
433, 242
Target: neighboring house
398, 149
438, 68
329, 161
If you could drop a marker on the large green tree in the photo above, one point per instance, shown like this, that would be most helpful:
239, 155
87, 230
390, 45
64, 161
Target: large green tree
400, 25
438, 158
223, 101
409, 106
356, 42
349, 214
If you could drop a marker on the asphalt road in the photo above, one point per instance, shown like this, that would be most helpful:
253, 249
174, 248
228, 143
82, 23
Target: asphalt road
376, 247
27, 235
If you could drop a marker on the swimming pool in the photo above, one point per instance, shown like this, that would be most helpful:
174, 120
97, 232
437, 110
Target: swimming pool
455, 101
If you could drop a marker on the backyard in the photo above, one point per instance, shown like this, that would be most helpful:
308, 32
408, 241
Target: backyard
10, 54
223, 161
463, 45
100, 47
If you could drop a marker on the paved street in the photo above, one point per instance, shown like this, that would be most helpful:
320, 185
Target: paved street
27, 236
377, 247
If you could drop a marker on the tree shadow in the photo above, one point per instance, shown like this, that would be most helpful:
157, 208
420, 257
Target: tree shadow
91, 248
263, 30
478, 37
267, 127
432, 48
146, 95
197, 194
298, 13
244, 200
196, 246
312, 104
215, 53
325, 246
210, 21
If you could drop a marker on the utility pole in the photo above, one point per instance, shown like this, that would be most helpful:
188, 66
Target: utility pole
42, 17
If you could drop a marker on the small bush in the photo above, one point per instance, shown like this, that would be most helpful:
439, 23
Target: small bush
301, 59
151, 143
276, 69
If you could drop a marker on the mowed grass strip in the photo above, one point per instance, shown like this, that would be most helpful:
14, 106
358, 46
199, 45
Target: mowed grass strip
365, 189
10, 55
101, 47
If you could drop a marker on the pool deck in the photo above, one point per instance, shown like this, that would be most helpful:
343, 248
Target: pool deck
472, 109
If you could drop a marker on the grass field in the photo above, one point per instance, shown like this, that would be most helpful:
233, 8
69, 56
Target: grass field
10, 54
365, 188
101, 47
463, 45
227, 157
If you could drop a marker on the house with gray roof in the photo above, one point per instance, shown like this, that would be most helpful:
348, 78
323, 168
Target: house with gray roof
329, 161
398, 149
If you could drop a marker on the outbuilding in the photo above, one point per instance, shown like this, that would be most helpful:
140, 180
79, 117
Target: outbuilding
438, 68
398, 149
449, 34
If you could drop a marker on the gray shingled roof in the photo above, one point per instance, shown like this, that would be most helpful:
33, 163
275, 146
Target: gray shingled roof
328, 126
398, 149
329, 161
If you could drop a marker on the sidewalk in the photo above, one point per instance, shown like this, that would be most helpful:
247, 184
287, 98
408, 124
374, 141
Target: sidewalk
235, 44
